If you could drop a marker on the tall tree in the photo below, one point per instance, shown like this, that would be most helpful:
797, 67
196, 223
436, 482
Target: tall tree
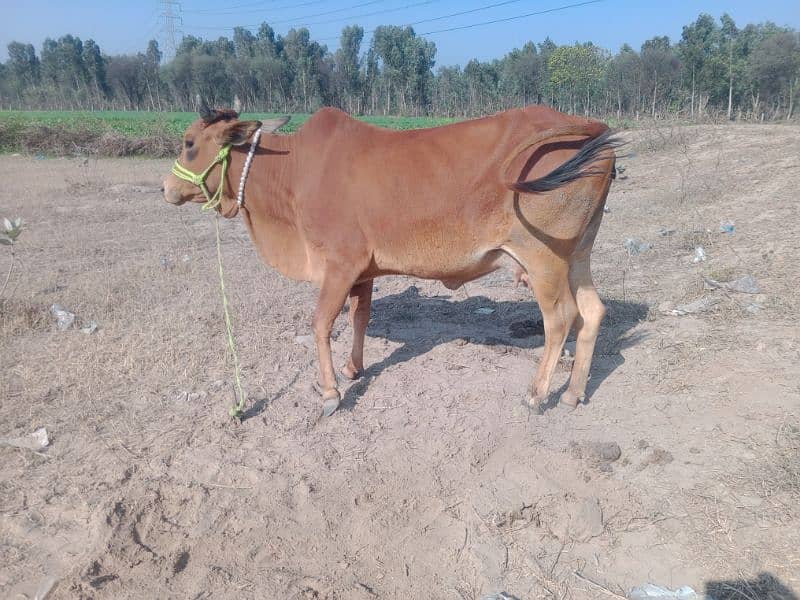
775, 67
347, 69
660, 67
575, 72
305, 60
95, 66
695, 50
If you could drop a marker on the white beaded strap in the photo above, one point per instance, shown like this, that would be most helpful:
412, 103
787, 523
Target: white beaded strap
248, 161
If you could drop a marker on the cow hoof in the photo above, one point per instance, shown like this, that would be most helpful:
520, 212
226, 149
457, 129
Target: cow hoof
351, 373
535, 406
570, 400
330, 403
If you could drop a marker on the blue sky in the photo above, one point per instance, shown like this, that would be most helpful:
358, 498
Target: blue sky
125, 26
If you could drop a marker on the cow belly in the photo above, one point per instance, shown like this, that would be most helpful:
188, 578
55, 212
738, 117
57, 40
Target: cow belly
453, 264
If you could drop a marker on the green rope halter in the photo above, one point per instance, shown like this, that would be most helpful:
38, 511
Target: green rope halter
199, 179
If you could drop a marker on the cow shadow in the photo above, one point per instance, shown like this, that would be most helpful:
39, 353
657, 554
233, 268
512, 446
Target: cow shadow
764, 587
420, 324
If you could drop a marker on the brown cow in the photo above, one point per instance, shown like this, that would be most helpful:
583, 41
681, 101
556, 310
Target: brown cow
341, 202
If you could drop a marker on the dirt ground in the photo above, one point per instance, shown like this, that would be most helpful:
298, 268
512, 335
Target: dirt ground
433, 480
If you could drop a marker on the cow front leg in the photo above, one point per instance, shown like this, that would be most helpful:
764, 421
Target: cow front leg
331, 300
360, 301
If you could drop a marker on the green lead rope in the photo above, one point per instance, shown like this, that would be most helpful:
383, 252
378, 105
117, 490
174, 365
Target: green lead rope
238, 408
199, 179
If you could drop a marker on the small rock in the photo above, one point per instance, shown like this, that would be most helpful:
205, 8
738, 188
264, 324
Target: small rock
660, 457
699, 255
667, 231
636, 247
89, 327
484, 310
698, 306
607, 451
586, 519
743, 285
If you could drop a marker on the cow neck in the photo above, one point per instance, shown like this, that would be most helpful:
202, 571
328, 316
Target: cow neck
273, 184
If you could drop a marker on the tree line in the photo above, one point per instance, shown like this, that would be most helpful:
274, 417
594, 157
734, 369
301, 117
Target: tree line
716, 68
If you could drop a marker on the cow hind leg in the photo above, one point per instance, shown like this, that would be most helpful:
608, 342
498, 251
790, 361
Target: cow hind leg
587, 326
550, 285
332, 295
360, 301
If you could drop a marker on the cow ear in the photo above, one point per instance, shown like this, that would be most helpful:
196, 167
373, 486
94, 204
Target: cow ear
274, 124
237, 133
206, 114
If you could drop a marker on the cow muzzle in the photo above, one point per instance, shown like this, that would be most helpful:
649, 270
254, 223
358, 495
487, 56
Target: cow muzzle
172, 192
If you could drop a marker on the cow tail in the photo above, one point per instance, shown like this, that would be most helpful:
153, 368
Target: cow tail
577, 167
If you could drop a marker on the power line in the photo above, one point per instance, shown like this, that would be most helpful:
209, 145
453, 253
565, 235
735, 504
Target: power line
228, 11
539, 12
234, 7
465, 12
424, 2
322, 14
379, 12
341, 19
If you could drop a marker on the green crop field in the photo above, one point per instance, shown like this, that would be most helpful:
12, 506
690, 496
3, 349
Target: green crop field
137, 124
19, 128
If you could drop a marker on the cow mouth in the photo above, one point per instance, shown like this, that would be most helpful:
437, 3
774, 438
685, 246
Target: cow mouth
172, 198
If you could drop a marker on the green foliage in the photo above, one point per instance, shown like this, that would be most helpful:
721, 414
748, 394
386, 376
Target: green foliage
576, 71
716, 66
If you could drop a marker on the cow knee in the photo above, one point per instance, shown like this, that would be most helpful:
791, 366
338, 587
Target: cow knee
322, 327
592, 314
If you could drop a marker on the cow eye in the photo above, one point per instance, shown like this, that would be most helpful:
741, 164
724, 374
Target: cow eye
188, 144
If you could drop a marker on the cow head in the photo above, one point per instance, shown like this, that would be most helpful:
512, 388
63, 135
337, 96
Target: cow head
204, 153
